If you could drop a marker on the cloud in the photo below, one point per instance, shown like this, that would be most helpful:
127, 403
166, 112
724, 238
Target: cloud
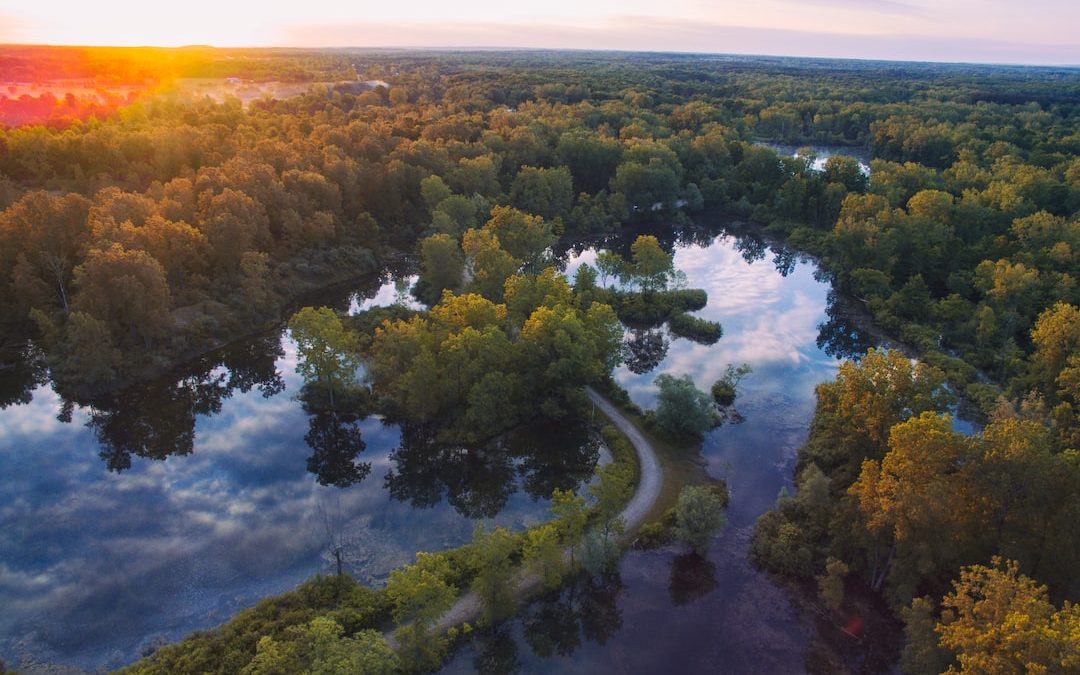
649, 33
881, 6
13, 28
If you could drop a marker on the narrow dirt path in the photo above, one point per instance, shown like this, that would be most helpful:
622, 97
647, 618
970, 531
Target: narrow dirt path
650, 480
650, 475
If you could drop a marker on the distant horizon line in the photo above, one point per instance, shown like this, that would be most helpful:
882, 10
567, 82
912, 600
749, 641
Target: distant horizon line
495, 49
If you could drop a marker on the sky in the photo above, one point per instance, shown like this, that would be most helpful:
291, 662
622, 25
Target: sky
987, 31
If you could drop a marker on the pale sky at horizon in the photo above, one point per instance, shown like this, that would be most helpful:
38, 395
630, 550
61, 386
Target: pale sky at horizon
996, 31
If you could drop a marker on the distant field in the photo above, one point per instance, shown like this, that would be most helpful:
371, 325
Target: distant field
62, 101
59, 102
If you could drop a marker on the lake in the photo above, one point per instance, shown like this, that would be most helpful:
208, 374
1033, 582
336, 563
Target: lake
167, 508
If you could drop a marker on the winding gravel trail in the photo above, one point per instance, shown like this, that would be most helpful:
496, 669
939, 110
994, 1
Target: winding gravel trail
650, 475
650, 479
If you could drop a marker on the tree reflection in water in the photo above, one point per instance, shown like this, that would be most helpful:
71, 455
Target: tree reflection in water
22, 370
751, 246
692, 576
584, 608
157, 420
839, 335
644, 349
497, 651
334, 439
478, 481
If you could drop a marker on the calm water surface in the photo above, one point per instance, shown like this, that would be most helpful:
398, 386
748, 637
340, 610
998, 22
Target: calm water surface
667, 611
170, 507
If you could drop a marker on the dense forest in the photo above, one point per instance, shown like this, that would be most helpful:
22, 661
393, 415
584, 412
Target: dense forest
145, 236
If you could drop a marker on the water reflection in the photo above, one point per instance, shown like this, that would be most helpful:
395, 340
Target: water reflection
700, 614
335, 442
584, 609
157, 420
841, 334
217, 486
644, 349
135, 518
22, 370
692, 577
497, 651
477, 482
820, 154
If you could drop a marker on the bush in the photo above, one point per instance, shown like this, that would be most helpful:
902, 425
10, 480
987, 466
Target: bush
646, 310
699, 514
723, 392
724, 389
694, 328
683, 410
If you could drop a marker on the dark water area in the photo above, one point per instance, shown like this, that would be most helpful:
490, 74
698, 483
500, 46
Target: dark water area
667, 610
168, 507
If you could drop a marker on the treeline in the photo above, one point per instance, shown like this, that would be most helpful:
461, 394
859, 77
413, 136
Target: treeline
218, 213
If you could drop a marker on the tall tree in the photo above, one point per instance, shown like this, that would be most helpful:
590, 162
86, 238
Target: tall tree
127, 290
493, 583
442, 265
328, 353
652, 265
46, 234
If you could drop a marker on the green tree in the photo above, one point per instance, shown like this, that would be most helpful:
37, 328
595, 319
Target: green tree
47, 232
89, 352
681, 408
321, 648
612, 489
419, 595
856, 411
922, 653
524, 236
609, 264
543, 555
495, 571
442, 265
548, 193
652, 265
127, 290
699, 515
488, 263
585, 283
328, 353
724, 389
570, 517
433, 190
591, 158
831, 584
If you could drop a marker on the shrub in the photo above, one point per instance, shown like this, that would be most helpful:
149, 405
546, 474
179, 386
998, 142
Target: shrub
699, 514
695, 328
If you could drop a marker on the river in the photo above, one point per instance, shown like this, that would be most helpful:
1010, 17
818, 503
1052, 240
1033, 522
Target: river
168, 507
